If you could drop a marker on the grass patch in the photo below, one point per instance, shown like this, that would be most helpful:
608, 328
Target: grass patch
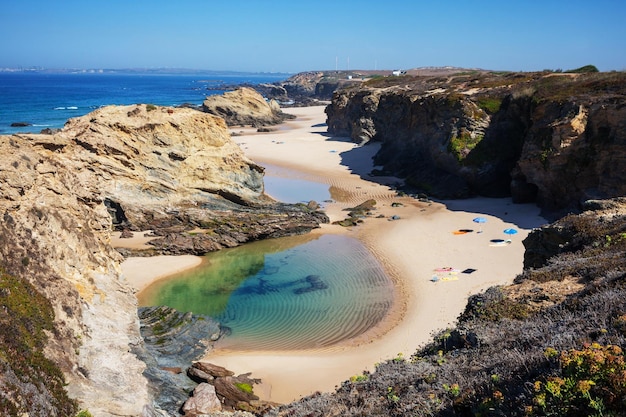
489, 104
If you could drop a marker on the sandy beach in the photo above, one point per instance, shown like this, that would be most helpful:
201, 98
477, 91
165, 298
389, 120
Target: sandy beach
433, 263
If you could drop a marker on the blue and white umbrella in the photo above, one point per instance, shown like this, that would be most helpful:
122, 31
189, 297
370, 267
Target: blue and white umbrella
480, 220
510, 231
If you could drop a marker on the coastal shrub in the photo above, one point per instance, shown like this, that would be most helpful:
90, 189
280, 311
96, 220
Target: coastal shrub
505, 308
150, 107
584, 69
25, 317
592, 381
359, 378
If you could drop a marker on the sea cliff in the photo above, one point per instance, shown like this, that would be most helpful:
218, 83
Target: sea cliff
553, 138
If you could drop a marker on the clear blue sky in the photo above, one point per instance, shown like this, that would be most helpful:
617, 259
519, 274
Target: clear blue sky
294, 36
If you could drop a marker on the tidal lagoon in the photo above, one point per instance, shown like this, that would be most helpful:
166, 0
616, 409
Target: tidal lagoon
283, 294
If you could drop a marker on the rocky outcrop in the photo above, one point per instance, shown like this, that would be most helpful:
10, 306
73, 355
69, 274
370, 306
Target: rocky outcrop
173, 341
244, 107
55, 234
220, 389
575, 150
557, 139
133, 167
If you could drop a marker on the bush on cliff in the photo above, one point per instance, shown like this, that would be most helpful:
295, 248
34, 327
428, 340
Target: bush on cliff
31, 383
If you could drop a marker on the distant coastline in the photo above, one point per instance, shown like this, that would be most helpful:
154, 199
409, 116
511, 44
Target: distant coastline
142, 71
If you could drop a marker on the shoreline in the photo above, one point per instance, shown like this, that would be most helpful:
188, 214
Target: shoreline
410, 249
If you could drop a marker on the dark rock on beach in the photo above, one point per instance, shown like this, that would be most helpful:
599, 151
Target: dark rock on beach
21, 124
219, 389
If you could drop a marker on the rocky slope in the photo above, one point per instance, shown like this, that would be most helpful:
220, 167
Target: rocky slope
557, 139
129, 167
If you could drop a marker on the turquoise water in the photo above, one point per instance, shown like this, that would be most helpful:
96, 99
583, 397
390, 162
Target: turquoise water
289, 293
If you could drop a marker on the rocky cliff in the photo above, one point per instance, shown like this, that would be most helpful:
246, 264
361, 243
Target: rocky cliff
129, 167
557, 139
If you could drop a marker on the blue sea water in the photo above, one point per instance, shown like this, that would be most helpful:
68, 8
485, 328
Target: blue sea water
48, 100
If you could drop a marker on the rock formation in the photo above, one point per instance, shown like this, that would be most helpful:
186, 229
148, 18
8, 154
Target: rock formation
55, 234
557, 139
244, 107
135, 167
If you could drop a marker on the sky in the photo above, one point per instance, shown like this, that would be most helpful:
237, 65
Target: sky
295, 36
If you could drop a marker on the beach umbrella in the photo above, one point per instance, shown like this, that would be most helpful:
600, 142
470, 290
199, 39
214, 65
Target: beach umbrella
510, 231
480, 220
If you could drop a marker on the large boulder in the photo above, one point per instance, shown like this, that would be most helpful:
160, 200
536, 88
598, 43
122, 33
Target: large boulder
204, 401
244, 107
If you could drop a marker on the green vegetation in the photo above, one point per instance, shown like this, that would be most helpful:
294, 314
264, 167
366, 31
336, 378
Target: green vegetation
84, 413
461, 145
150, 107
359, 378
564, 87
489, 104
592, 382
25, 316
583, 70
244, 387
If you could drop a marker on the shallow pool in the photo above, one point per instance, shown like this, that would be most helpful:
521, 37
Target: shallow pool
288, 293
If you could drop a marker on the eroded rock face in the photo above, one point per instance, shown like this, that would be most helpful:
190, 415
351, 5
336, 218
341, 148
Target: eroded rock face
58, 221
575, 151
159, 157
134, 167
244, 107
554, 139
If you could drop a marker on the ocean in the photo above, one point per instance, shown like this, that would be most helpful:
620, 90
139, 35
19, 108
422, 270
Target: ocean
48, 100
